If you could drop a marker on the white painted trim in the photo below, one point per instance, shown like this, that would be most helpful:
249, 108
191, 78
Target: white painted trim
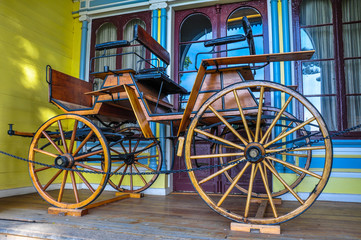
16, 191
334, 197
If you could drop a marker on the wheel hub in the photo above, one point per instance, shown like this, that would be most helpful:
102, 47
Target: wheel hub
129, 159
65, 160
254, 152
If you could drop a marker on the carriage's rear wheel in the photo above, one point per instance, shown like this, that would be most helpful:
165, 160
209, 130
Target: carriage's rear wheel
136, 159
254, 120
74, 142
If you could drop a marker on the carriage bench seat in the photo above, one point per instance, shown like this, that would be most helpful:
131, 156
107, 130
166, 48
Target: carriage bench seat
159, 81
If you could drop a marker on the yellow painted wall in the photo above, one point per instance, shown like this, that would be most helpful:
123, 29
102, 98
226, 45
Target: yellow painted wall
33, 33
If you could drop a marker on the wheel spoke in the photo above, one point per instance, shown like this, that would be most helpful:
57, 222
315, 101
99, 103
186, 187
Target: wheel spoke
88, 154
41, 169
131, 177
45, 152
122, 176
72, 139
52, 142
235, 180
136, 145
228, 125
62, 136
219, 139
61, 191
85, 181
275, 173
289, 165
249, 194
269, 194
88, 167
145, 166
115, 151
296, 149
219, 172
75, 189
83, 142
290, 131
217, 155
144, 149
259, 115
145, 157
141, 177
276, 119
245, 124
120, 167
52, 180
125, 150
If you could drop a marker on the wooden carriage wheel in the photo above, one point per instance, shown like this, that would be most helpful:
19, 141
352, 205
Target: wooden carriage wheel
257, 132
134, 154
293, 122
74, 142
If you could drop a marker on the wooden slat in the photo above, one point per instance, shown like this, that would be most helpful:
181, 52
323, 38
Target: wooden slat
103, 75
139, 113
69, 89
108, 90
192, 100
261, 58
152, 45
244, 227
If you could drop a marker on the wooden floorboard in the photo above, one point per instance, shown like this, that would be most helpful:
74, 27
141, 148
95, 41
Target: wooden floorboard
176, 216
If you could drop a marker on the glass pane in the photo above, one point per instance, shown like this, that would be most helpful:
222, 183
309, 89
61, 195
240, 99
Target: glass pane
195, 28
106, 33
353, 76
186, 80
241, 48
313, 12
353, 111
319, 39
188, 54
351, 10
318, 78
131, 60
234, 22
327, 106
352, 39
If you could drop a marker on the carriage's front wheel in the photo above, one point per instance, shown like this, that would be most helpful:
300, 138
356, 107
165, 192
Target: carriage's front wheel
255, 125
73, 142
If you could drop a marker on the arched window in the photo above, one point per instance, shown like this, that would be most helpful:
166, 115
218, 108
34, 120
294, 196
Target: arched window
130, 60
106, 33
191, 40
234, 27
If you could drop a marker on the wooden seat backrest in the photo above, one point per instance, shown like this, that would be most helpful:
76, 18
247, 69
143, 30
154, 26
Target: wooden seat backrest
69, 89
152, 45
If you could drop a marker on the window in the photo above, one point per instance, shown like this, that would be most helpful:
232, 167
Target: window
117, 28
213, 22
331, 79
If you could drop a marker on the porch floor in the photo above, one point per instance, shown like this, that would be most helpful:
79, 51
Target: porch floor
176, 216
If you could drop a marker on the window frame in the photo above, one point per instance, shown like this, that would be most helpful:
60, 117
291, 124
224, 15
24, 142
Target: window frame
339, 60
218, 16
119, 21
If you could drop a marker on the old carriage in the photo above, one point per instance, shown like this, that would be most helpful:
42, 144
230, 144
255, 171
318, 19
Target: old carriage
253, 129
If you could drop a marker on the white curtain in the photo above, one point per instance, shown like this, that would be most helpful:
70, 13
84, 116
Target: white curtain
351, 11
315, 12
106, 33
130, 60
